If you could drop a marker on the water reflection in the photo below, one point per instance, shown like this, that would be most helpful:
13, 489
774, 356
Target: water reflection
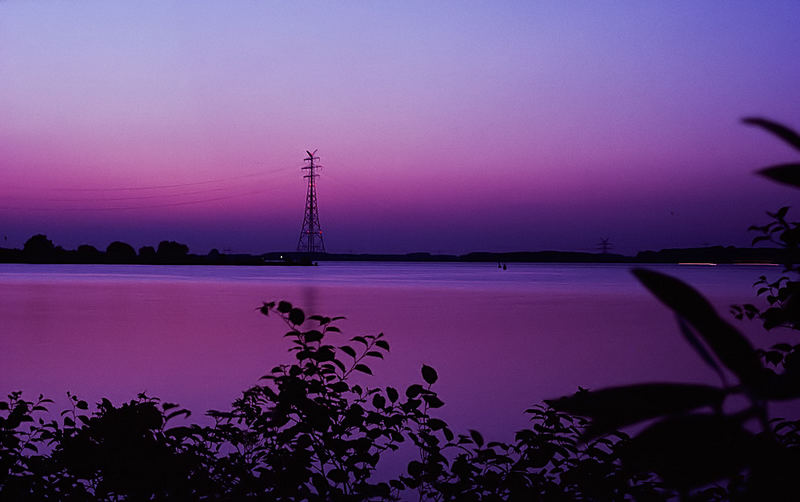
309, 295
500, 341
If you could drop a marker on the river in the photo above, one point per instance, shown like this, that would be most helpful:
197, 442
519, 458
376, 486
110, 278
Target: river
501, 340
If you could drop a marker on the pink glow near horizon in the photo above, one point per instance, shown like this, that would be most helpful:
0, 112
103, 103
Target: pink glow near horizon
443, 127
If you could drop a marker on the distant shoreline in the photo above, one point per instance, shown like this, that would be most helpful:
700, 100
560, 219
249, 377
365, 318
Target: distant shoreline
705, 255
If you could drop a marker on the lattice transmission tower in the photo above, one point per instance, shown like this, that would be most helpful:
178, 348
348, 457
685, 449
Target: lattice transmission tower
605, 245
311, 234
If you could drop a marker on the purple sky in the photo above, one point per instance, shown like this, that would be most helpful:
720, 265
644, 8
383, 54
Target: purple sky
442, 126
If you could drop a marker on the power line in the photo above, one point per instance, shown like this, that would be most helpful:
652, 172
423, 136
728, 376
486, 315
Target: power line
146, 197
133, 208
176, 185
91, 202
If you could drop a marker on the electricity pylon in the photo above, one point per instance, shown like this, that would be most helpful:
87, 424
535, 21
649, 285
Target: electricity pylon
311, 234
604, 245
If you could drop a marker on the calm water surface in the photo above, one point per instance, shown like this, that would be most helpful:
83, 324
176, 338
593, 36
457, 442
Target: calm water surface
501, 340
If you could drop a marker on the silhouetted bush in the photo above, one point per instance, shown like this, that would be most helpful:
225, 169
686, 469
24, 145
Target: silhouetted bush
147, 254
309, 432
120, 252
39, 249
781, 293
38, 244
694, 440
172, 252
88, 253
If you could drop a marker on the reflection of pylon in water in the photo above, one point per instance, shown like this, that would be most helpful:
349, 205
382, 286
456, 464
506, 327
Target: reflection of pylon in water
311, 234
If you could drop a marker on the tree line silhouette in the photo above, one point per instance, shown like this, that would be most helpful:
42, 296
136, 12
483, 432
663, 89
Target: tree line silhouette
312, 430
40, 249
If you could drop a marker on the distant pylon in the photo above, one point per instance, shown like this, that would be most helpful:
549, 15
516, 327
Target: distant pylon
311, 234
604, 245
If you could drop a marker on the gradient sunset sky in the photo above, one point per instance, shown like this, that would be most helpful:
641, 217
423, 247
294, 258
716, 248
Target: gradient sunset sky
448, 126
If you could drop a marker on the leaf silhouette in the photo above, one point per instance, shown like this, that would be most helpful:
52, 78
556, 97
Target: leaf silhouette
433, 401
785, 133
698, 346
788, 174
693, 450
778, 387
780, 213
296, 316
429, 374
476, 437
616, 407
731, 347
413, 390
363, 368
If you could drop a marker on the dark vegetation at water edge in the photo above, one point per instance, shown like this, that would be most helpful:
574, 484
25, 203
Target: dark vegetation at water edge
710, 254
40, 249
312, 430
